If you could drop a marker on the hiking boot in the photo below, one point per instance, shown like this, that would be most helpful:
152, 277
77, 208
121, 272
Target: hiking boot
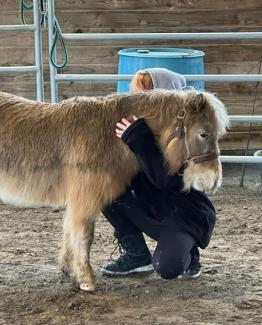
194, 269
135, 256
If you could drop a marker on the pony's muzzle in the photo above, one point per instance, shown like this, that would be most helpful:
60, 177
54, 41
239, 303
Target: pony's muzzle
204, 177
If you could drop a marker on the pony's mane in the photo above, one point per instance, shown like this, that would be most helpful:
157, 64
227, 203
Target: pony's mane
160, 105
220, 112
160, 101
155, 105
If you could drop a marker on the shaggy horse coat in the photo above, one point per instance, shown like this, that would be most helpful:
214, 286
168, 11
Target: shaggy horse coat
67, 154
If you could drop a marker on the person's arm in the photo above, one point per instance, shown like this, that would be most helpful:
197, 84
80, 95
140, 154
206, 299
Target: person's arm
140, 139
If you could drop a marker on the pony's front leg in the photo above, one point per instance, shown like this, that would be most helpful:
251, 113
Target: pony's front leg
81, 228
66, 255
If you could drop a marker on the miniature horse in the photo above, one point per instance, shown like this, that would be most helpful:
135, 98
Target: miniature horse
67, 154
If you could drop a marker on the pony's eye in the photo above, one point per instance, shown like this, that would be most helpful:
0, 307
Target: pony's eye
203, 135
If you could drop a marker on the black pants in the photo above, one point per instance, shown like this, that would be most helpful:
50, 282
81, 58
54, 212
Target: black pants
173, 252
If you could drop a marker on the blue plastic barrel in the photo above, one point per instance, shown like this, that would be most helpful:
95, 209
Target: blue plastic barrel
183, 61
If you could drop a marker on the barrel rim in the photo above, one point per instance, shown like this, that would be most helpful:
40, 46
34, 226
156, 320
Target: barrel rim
133, 52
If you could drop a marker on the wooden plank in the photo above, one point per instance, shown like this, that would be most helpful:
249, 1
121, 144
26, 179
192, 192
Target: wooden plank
108, 5
108, 55
245, 57
237, 89
238, 140
157, 4
215, 20
24, 89
20, 56
10, 18
66, 90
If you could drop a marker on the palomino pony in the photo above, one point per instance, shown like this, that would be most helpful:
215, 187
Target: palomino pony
67, 154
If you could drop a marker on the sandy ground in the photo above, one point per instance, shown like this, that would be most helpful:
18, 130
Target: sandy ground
229, 291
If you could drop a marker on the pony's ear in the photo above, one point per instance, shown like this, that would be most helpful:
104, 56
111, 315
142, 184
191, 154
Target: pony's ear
196, 103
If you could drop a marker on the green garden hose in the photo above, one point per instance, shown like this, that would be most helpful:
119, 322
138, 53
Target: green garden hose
28, 5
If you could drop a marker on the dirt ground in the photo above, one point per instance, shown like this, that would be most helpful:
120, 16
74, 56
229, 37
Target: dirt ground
229, 291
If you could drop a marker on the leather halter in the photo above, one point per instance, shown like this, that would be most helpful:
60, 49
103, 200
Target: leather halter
180, 133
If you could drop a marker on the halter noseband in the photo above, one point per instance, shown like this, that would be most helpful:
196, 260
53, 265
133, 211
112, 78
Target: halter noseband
180, 133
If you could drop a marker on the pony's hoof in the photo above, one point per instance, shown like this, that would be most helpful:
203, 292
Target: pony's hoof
87, 287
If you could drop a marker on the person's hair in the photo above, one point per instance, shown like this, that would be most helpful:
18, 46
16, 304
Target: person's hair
142, 81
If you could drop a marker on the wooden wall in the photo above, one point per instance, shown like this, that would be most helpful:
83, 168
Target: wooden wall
78, 16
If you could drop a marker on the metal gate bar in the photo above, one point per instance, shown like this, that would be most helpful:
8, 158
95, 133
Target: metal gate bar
162, 36
241, 159
116, 77
17, 28
38, 67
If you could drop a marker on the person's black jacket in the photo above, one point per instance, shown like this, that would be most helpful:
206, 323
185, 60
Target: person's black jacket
162, 194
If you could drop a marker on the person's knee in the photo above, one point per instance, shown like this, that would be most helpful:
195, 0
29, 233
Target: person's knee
168, 270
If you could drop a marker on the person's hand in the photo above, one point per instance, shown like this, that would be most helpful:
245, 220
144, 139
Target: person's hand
122, 126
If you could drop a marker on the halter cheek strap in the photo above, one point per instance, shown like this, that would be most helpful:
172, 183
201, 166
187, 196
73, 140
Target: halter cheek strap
180, 129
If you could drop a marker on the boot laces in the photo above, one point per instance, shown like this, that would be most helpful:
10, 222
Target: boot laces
118, 247
123, 253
